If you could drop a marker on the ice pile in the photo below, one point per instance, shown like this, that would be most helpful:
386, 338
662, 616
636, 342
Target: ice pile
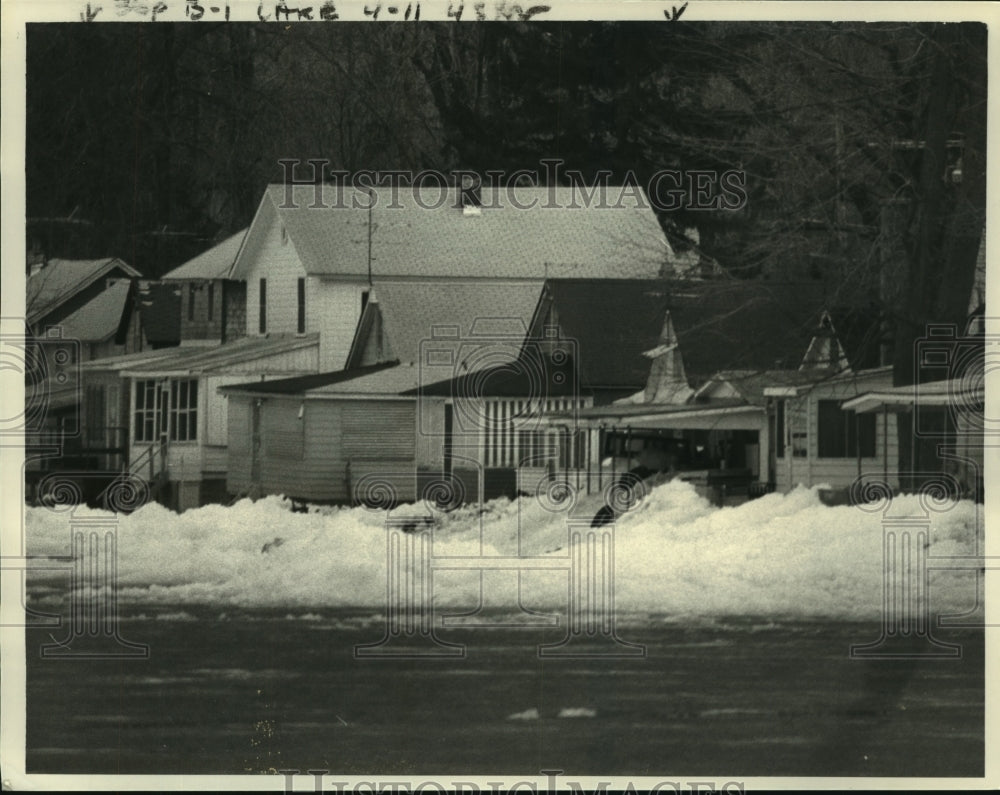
780, 555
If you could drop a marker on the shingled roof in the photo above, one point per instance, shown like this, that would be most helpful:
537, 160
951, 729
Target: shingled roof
519, 233
490, 312
212, 264
611, 321
61, 279
99, 319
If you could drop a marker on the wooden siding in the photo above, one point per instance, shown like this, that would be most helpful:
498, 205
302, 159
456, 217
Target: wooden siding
238, 448
387, 433
276, 261
216, 429
429, 442
297, 362
283, 430
214, 459
375, 437
333, 309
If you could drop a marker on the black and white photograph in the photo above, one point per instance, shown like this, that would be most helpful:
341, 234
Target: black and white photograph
414, 395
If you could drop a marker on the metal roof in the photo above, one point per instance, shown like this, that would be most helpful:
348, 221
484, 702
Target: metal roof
197, 359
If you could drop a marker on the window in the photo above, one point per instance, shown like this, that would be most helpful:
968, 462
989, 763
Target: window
263, 306
302, 306
841, 432
779, 428
191, 301
145, 411
183, 411
211, 300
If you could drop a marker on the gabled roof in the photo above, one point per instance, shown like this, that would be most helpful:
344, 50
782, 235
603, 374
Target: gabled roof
99, 319
478, 312
61, 279
197, 360
757, 325
520, 233
612, 322
750, 384
160, 312
212, 264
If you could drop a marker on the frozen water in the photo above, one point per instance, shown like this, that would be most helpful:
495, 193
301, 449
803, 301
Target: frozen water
676, 554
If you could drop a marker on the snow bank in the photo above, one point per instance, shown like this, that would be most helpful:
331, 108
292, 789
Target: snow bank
780, 555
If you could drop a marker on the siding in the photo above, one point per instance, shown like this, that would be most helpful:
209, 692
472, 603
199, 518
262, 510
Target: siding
429, 442
277, 262
801, 417
389, 434
238, 434
234, 309
200, 327
333, 309
308, 458
217, 415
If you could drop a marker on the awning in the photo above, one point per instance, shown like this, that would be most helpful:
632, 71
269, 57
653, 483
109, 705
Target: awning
668, 417
939, 394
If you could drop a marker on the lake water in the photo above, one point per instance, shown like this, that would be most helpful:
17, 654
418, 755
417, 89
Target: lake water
260, 690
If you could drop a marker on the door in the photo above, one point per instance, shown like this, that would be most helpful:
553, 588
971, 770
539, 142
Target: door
255, 443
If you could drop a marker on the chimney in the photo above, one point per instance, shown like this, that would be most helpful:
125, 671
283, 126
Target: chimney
471, 193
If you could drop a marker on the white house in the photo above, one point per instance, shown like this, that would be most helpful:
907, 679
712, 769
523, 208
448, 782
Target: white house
312, 253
